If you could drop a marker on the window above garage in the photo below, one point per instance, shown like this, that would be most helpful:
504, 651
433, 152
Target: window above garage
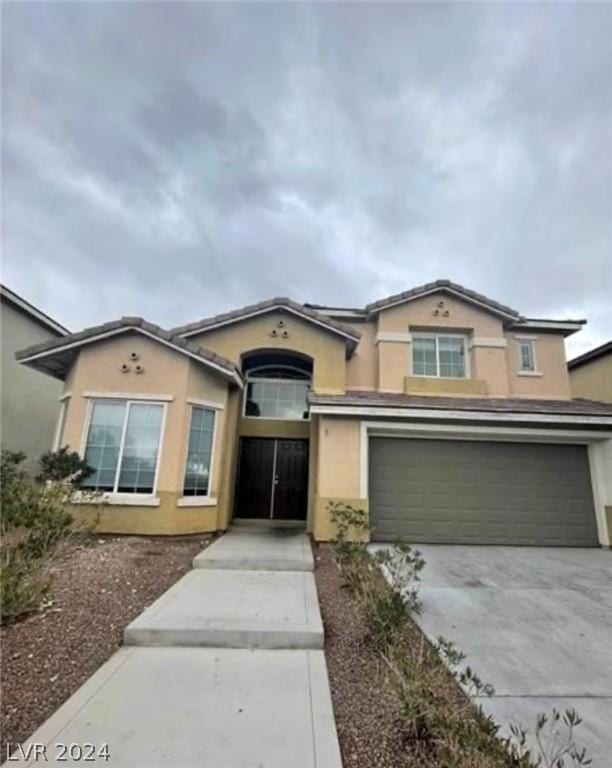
440, 355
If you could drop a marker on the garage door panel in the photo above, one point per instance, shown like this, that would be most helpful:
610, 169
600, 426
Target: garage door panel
454, 491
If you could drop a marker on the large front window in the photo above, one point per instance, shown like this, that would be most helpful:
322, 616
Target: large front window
277, 399
277, 392
438, 355
123, 446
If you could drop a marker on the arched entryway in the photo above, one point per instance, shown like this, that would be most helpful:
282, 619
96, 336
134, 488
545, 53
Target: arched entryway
272, 471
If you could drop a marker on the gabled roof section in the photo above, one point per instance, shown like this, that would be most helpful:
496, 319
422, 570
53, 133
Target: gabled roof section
29, 309
454, 289
592, 354
350, 335
55, 356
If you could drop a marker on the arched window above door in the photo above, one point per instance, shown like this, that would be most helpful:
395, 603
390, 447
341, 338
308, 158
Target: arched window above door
277, 385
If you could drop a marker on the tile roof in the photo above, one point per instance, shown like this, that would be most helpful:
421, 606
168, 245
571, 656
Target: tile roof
421, 290
496, 404
129, 323
262, 306
592, 354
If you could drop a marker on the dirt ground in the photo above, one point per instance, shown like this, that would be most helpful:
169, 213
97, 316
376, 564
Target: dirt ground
99, 586
366, 703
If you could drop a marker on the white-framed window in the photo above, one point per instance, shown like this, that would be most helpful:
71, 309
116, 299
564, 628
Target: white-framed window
439, 354
198, 469
123, 445
277, 392
527, 358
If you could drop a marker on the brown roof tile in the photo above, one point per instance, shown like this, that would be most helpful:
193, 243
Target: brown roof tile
496, 404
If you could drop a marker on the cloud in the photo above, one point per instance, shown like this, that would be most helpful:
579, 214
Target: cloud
177, 160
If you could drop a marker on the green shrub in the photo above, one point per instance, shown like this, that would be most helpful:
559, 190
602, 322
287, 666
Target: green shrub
349, 543
63, 465
34, 521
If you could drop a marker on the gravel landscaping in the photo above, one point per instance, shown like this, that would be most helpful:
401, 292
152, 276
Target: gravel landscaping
366, 702
99, 586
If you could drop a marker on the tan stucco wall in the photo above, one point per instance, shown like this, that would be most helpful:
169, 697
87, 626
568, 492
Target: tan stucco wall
30, 399
394, 363
362, 366
327, 350
550, 362
338, 467
426, 385
166, 373
229, 460
166, 519
593, 380
600, 462
298, 430
489, 364
420, 313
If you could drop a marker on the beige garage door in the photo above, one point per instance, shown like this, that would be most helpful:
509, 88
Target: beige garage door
473, 492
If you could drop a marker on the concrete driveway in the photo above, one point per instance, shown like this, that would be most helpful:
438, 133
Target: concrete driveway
536, 623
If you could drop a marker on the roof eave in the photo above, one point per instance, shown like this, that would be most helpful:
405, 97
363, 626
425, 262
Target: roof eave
565, 327
590, 356
38, 315
594, 421
39, 360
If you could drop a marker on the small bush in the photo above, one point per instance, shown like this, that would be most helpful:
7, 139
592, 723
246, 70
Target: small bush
555, 739
388, 603
349, 543
34, 521
63, 465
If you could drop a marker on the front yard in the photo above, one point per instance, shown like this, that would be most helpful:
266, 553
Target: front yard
100, 585
403, 701
367, 704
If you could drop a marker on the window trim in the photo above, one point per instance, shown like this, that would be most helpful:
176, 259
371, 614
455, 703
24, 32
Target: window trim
119, 497
60, 427
202, 500
437, 335
532, 344
307, 375
273, 418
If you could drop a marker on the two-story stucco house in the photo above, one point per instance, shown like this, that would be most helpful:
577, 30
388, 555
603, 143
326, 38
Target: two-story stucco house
446, 415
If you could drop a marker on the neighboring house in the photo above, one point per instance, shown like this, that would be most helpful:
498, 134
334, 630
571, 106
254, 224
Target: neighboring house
444, 414
591, 374
29, 400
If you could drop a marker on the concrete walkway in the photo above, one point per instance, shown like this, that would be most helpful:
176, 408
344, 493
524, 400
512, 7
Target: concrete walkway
181, 702
274, 609
259, 549
534, 622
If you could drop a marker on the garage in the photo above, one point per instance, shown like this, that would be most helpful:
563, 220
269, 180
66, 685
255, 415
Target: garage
480, 492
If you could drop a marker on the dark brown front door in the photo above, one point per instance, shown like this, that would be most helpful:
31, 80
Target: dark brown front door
272, 479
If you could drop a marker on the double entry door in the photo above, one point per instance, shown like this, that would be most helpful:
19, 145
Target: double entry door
272, 479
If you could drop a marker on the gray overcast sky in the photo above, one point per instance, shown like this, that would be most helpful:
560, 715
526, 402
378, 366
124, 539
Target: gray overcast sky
174, 160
